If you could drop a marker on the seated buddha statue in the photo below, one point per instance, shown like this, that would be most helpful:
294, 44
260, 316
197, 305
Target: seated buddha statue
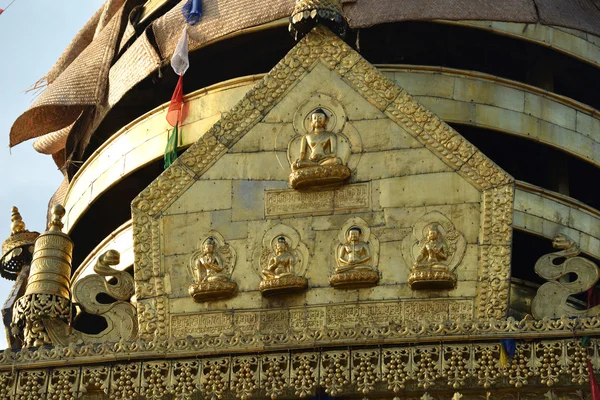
209, 267
354, 262
278, 274
281, 263
430, 269
434, 250
318, 147
319, 162
211, 279
354, 253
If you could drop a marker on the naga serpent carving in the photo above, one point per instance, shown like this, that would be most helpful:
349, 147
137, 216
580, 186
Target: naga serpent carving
120, 316
552, 297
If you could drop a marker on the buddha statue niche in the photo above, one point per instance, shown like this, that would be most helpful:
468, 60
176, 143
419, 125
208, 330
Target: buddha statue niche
279, 272
319, 163
210, 272
354, 267
430, 270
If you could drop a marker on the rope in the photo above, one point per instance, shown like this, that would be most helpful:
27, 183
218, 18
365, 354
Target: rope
9, 4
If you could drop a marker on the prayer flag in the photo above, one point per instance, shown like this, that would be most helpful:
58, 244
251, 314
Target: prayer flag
177, 111
507, 350
593, 384
192, 11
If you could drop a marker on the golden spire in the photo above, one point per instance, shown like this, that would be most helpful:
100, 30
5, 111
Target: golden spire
308, 13
17, 225
17, 249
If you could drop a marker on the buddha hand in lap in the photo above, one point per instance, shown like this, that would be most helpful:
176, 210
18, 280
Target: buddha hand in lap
279, 273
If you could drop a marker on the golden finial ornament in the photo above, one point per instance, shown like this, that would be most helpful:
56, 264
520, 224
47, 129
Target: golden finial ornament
48, 291
17, 248
17, 224
308, 13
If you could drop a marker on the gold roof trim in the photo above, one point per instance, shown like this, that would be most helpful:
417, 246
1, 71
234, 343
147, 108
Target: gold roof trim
442, 368
443, 332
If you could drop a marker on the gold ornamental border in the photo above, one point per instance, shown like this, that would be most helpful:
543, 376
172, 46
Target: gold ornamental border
321, 45
409, 371
291, 340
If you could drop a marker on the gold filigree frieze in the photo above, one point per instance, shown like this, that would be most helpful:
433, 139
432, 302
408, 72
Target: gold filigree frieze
305, 338
412, 370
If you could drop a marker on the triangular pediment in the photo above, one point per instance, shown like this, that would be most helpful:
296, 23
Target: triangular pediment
322, 66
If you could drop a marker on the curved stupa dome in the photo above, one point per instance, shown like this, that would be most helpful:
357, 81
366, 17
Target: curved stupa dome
124, 43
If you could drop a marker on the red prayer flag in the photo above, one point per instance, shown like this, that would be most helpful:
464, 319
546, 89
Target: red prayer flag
593, 297
593, 384
1, 11
177, 110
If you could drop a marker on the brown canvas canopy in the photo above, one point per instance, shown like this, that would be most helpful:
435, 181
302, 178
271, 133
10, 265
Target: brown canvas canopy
88, 80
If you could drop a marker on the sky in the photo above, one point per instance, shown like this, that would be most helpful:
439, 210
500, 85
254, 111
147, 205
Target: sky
33, 35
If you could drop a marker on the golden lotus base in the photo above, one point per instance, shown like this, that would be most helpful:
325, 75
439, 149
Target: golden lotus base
207, 291
356, 278
432, 278
322, 175
286, 284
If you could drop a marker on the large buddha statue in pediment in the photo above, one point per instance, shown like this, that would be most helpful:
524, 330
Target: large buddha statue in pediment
319, 163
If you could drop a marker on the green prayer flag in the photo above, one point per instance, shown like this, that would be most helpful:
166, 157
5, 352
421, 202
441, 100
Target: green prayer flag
585, 341
171, 149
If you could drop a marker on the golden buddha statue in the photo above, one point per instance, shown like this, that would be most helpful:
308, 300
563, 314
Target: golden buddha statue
354, 262
281, 263
319, 162
430, 270
209, 267
320, 144
278, 274
354, 253
210, 274
434, 249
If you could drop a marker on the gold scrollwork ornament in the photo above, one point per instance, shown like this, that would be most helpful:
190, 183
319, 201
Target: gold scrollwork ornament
211, 266
552, 297
120, 316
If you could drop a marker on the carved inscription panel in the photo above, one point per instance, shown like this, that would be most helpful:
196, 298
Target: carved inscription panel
289, 202
406, 313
